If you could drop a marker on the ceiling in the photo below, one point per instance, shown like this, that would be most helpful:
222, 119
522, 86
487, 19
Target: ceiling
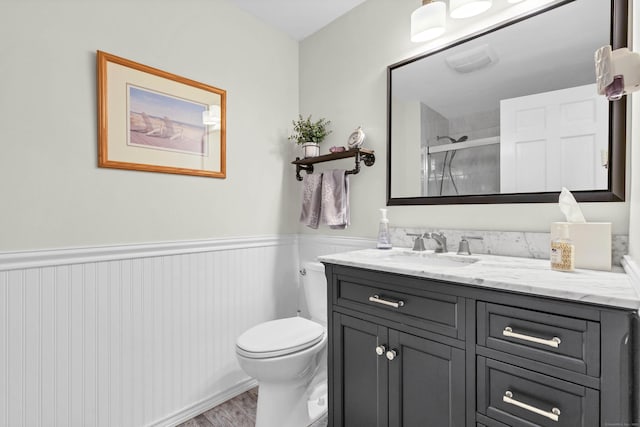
298, 18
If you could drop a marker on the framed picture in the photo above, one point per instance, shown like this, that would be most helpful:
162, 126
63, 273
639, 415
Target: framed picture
151, 120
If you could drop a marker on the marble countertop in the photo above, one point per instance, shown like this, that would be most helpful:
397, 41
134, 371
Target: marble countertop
526, 275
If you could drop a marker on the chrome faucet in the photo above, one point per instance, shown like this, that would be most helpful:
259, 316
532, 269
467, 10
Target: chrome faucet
440, 239
463, 248
418, 243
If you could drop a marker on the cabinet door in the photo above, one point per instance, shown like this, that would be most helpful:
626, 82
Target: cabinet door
360, 375
426, 383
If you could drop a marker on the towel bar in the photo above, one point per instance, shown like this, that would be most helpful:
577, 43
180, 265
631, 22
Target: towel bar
360, 154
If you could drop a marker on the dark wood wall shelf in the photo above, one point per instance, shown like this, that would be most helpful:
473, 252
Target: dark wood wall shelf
360, 154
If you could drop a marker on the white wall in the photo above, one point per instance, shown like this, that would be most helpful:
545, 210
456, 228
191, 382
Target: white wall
343, 78
52, 194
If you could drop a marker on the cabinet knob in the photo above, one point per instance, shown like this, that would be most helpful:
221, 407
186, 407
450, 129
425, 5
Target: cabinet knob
380, 350
391, 354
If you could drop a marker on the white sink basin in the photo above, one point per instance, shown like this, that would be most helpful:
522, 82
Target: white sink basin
416, 258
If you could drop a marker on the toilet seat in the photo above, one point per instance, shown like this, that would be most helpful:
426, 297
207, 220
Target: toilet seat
279, 337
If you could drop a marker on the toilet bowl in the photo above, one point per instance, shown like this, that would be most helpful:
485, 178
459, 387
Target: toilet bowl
288, 358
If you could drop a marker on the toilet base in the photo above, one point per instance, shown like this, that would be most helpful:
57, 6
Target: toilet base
301, 410
273, 397
318, 403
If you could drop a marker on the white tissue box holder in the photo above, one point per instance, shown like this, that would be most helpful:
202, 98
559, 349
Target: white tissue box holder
592, 243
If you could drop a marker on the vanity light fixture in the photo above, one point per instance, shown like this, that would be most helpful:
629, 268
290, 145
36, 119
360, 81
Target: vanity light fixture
468, 8
211, 117
428, 21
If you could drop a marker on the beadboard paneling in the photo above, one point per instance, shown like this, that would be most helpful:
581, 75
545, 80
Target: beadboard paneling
135, 335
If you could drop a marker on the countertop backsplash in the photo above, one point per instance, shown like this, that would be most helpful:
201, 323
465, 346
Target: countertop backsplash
507, 243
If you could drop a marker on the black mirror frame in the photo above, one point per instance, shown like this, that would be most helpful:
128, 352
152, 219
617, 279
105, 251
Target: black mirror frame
617, 131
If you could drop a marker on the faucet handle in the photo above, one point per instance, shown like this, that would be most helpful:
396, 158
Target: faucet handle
418, 243
463, 247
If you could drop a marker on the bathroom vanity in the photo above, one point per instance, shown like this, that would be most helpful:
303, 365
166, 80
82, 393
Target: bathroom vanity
423, 339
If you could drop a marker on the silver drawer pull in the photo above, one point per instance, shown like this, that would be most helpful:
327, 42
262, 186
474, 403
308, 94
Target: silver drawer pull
553, 342
553, 415
396, 304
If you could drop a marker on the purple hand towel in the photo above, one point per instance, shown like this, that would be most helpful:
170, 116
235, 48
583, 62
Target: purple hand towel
335, 199
311, 200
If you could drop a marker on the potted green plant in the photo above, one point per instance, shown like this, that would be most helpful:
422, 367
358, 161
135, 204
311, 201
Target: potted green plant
309, 134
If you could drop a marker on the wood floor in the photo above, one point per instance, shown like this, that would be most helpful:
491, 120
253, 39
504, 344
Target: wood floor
237, 412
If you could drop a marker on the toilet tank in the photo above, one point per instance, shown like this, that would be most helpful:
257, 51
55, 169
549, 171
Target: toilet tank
314, 284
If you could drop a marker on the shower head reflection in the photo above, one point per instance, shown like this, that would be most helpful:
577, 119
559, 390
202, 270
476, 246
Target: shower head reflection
453, 141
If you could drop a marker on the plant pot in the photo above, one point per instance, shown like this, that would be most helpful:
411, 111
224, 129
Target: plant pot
310, 149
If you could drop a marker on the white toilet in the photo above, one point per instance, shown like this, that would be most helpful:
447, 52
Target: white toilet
288, 357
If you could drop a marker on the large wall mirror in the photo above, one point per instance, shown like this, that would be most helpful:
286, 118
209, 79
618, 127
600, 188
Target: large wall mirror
510, 115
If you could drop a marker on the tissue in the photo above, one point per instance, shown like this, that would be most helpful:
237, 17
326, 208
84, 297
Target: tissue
569, 207
592, 240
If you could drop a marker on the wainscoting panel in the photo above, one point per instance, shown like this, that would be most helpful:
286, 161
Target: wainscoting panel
136, 335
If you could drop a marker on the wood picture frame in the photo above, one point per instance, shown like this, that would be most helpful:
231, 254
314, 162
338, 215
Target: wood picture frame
151, 120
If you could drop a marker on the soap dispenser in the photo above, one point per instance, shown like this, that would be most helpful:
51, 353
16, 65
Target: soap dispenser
563, 251
384, 240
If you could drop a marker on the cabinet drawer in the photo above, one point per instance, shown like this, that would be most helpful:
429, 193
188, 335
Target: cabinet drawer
487, 422
439, 313
565, 342
518, 397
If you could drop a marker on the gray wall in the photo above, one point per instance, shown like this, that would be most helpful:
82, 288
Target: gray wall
343, 78
52, 192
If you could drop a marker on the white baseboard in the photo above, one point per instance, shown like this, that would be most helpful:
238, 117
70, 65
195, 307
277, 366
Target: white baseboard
204, 405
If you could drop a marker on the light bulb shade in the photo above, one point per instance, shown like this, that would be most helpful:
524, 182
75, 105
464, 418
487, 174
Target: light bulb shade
428, 21
468, 8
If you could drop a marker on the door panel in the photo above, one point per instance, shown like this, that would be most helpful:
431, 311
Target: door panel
362, 399
554, 139
426, 383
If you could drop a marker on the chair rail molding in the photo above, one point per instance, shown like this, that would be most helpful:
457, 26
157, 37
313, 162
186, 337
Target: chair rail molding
67, 256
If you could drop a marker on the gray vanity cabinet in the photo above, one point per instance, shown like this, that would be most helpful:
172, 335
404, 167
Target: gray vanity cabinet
394, 368
407, 351
394, 386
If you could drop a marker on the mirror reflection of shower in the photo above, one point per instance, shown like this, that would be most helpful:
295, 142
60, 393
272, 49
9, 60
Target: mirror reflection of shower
459, 155
450, 158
